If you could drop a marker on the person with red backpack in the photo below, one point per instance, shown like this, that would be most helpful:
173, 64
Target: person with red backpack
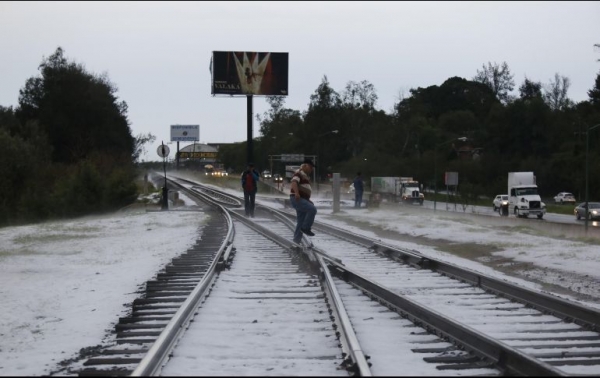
250, 185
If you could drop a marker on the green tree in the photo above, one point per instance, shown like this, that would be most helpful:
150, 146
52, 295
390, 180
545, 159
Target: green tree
358, 105
233, 156
280, 128
530, 90
78, 131
324, 115
140, 141
78, 111
498, 78
359, 95
454, 94
555, 93
594, 93
324, 97
25, 170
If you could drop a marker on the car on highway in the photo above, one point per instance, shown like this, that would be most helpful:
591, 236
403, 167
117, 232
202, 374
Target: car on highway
499, 200
219, 173
277, 178
593, 212
266, 174
564, 197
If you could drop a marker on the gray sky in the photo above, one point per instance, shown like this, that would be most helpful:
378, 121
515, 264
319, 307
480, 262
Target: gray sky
158, 53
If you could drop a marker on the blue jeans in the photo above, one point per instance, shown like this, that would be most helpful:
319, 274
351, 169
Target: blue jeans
358, 198
305, 216
249, 198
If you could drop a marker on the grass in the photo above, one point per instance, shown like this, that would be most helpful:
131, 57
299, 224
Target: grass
551, 207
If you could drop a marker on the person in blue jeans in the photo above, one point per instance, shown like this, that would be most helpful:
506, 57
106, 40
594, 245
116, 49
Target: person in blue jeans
358, 189
250, 179
300, 199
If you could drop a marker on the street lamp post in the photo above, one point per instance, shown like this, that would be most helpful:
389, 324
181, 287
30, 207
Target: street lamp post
587, 170
318, 152
462, 139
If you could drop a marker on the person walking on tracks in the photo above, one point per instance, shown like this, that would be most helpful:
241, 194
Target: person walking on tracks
250, 179
300, 192
358, 189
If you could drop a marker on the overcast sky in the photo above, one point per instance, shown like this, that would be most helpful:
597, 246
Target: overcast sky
158, 53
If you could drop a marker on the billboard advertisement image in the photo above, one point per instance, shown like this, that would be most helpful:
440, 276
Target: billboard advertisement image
249, 73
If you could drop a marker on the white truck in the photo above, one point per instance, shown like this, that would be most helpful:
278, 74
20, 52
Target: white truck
410, 191
397, 189
385, 187
523, 197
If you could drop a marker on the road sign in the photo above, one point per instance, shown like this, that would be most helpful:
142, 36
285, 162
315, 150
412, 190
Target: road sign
451, 178
292, 158
163, 151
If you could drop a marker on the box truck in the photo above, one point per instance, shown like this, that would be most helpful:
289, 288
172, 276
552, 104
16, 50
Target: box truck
397, 189
523, 197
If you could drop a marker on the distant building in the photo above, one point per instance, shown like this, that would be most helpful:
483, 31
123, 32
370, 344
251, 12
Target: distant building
198, 155
468, 152
217, 145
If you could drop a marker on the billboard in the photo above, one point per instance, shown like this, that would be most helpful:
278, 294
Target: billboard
249, 73
185, 133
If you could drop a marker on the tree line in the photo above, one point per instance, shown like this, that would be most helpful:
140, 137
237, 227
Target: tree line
69, 150
539, 130
67, 147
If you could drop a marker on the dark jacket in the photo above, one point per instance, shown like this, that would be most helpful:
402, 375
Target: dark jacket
255, 177
358, 184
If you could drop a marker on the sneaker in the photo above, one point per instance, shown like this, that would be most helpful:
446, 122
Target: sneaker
307, 231
298, 241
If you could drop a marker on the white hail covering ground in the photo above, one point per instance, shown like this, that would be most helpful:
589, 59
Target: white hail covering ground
63, 285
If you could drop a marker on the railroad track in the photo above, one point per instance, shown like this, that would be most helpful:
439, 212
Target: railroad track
383, 304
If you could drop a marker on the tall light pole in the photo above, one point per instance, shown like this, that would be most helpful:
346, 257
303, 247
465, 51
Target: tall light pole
462, 139
318, 152
587, 170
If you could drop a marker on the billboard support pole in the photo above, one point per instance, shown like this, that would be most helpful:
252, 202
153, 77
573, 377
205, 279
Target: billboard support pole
249, 121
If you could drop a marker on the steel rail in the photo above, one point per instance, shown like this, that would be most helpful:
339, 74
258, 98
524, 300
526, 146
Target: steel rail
349, 341
586, 317
511, 360
158, 354
567, 310
507, 358
361, 366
